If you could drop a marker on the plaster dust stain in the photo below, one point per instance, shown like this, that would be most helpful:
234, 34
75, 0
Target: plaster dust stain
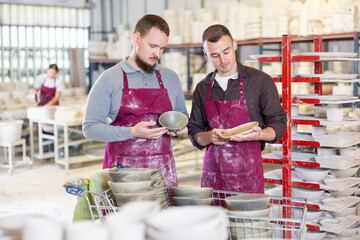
134, 103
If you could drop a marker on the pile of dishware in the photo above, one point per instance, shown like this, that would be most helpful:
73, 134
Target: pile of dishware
188, 222
244, 211
185, 196
158, 185
129, 222
131, 184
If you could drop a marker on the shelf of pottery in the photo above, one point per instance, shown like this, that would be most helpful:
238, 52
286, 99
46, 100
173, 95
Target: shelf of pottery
324, 176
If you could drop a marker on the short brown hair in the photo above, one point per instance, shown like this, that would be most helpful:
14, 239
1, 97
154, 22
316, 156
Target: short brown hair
215, 32
54, 66
149, 21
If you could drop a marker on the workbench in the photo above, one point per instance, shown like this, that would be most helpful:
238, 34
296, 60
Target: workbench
61, 140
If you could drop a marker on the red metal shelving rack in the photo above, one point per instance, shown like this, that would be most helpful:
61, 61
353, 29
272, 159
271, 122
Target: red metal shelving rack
286, 59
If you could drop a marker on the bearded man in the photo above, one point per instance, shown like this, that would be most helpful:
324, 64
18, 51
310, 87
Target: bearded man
133, 94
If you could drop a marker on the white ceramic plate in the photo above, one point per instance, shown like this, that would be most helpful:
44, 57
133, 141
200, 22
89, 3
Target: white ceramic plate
240, 130
199, 218
257, 56
325, 97
334, 160
329, 54
327, 76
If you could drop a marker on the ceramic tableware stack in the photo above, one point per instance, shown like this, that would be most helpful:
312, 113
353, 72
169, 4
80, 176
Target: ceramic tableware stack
129, 222
188, 222
243, 211
131, 184
184, 196
158, 185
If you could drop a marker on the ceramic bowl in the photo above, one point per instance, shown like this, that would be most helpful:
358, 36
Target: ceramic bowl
326, 151
331, 201
344, 173
133, 212
192, 192
311, 174
42, 228
329, 222
247, 202
357, 152
189, 219
332, 236
255, 213
306, 193
130, 174
86, 230
346, 212
314, 235
129, 187
318, 130
212, 232
348, 152
334, 114
344, 193
188, 201
309, 216
161, 191
350, 231
174, 121
122, 198
215, 234
312, 214
336, 182
334, 160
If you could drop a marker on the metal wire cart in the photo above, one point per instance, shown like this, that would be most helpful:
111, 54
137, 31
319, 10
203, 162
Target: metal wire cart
286, 219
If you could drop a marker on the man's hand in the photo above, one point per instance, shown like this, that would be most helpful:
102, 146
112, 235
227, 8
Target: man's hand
173, 134
215, 137
210, 137
143, 130
255, 135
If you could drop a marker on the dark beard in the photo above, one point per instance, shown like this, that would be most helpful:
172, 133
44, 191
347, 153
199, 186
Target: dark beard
147, 68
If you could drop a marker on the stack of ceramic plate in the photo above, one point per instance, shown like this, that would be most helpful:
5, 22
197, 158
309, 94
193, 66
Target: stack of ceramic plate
190, 222
243, 211
131, 184
158, 185
185, 196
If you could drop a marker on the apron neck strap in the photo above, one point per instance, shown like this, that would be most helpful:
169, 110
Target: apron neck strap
161, 84
126, 85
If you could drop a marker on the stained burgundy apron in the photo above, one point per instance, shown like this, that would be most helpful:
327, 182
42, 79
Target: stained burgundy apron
139, 105
235, 166
46, 94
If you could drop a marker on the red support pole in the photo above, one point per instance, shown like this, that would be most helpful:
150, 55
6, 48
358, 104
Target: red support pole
286, 144
318, 65
286, 103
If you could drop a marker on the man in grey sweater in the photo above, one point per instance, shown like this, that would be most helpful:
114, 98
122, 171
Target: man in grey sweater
133, 94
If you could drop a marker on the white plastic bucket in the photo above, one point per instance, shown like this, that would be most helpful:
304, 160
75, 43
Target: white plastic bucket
10, 130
